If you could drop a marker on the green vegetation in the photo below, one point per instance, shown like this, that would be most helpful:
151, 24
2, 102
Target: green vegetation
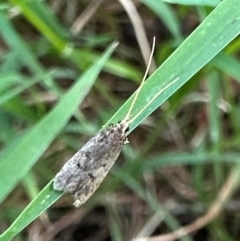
59, 87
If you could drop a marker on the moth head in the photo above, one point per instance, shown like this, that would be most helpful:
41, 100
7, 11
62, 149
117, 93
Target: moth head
123, 125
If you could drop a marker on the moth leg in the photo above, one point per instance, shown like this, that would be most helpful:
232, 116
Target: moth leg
126, 141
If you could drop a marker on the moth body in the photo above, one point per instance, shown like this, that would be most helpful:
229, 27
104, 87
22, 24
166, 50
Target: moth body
85, 171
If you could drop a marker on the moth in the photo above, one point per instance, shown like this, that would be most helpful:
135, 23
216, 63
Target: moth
85, 171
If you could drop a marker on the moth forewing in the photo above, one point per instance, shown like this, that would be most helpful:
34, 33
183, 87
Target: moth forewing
85, 171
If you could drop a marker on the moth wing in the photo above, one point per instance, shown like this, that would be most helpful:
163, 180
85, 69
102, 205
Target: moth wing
89, 185
71, 171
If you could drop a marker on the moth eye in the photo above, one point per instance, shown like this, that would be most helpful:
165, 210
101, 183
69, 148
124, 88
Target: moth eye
119, 122
112, 130
127, 129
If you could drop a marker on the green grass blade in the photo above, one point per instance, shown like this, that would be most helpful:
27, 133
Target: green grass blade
44, 200
41, 17
227, 64
212, 3
215, 32
166, 14
20, 161
17, 45
213, 111
186, 158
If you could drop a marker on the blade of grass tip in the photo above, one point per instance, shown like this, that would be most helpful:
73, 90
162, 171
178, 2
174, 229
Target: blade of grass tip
24, 156
220, 27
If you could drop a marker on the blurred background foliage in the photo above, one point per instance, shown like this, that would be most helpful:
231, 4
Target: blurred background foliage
181, 168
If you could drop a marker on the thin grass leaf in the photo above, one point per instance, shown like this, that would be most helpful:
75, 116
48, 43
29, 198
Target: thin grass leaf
185, 158
215, 32
212, 3
228, 64
17, 107
213, 112
41, 17
166, 14
214, 121
32, 147
44, 200
19, 87
23, 53
115, 224
19, 162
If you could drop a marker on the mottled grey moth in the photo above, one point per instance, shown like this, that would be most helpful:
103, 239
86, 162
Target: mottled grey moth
85, 171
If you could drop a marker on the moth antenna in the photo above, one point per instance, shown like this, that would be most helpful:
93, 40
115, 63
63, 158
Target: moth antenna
143, 80
154, 97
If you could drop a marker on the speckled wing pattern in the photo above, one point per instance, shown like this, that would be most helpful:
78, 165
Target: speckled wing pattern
85, 171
